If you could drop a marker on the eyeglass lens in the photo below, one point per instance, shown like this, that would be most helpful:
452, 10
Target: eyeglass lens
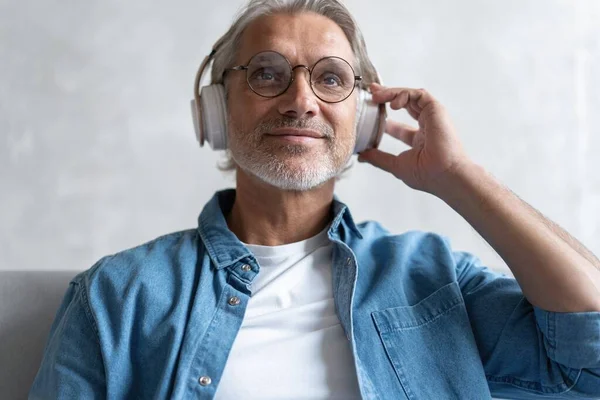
269, 74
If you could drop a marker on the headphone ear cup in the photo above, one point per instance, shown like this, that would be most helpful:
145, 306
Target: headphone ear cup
210, 117
370, 122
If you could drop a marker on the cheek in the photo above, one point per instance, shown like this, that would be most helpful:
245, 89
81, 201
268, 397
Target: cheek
239, 107
344, 120
243, 115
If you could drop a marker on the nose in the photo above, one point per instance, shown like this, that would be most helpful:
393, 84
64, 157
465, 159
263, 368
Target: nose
299, 100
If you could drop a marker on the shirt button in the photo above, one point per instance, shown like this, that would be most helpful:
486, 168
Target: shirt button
234, 301
246, 268
205, 380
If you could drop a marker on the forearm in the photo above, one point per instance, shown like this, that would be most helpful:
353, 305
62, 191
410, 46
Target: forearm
554, 270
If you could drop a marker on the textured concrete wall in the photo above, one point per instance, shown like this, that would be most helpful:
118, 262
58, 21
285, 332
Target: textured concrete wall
97, 152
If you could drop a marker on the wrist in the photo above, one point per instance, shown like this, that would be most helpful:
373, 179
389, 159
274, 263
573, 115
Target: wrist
458, 180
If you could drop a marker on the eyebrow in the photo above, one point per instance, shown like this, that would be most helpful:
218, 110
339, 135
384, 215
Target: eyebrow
353, 62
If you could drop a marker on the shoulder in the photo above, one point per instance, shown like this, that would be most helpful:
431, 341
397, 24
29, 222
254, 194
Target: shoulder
417, 254
411, 253
375, 235
154, 262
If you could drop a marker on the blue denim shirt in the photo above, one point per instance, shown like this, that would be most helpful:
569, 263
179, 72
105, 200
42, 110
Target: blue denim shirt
424, 322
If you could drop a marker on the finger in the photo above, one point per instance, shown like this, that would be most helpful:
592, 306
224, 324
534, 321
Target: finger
403, 132
420, 98
413, 112
405, 162
412, 106
417, 100
385, 95
379, 159
400, 97
401, 166
375, 87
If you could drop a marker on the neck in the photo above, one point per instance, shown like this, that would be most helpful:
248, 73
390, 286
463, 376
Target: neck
268, 216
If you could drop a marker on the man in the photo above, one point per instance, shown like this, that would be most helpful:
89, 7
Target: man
278, 294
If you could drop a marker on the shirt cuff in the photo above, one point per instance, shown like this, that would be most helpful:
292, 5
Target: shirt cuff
571, 339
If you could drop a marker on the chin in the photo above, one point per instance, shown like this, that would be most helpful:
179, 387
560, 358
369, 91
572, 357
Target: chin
291, 166
295, 175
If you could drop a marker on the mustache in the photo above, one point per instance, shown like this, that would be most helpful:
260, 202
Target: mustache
288, 122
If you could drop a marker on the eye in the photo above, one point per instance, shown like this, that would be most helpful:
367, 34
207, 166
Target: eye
330, 79
266, 75
263, 75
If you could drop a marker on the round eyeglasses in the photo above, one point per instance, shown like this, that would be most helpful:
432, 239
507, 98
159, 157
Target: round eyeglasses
270, 74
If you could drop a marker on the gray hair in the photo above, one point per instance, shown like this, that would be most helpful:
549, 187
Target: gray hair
228, 45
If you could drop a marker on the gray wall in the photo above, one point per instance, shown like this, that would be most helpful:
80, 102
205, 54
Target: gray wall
97, 151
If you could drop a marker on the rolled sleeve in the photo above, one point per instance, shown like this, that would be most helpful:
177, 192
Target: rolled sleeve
528, 352
571, 339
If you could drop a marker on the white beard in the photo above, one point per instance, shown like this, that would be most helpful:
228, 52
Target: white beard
289, 167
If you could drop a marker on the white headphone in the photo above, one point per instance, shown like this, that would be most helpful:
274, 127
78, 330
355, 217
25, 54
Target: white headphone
209, 111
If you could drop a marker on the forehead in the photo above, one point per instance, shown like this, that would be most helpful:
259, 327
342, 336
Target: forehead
302, 38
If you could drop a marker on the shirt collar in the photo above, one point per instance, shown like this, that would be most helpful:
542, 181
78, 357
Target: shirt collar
341, 213
225, 249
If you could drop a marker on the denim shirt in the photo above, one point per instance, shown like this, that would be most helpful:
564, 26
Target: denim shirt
423, 321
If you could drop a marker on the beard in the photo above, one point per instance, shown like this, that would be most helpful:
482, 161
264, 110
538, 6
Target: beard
289, 166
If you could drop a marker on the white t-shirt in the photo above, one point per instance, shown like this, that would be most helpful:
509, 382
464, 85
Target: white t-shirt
291, 344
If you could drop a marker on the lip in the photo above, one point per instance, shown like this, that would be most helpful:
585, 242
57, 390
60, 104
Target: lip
308, 133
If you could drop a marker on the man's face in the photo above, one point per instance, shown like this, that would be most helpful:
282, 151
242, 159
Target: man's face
257, 124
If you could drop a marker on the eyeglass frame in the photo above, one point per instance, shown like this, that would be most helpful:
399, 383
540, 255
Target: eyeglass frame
357, 78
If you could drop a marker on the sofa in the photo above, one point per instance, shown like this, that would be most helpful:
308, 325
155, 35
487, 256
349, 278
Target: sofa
28, 304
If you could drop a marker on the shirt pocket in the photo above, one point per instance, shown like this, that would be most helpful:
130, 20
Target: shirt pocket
431, 347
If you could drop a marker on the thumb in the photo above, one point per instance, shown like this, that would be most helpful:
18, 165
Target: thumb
379, 159
401, 166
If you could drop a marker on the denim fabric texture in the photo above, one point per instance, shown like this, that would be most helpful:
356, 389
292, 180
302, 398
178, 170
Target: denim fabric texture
424, 321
